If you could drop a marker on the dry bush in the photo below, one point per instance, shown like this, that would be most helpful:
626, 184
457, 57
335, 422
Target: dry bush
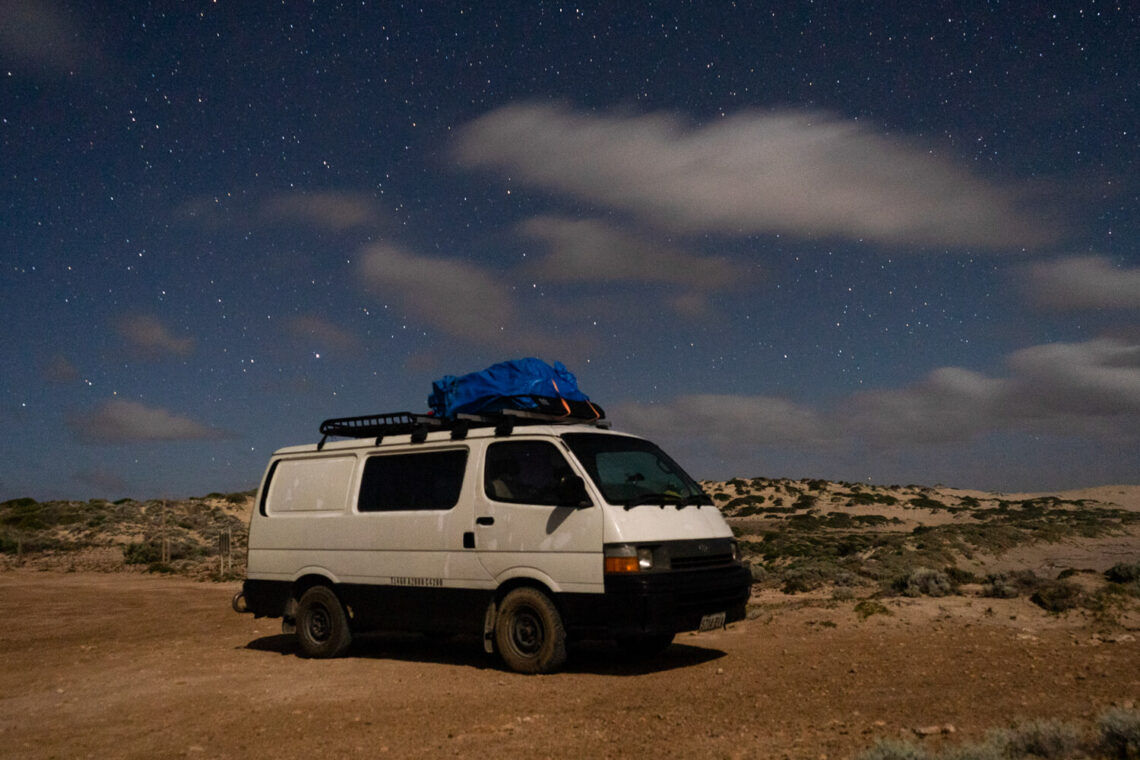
924, 581
1118, 734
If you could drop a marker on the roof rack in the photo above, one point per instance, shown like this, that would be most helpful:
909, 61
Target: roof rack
543, 410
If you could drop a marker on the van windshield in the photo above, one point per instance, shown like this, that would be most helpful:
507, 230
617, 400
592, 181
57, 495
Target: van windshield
632, 471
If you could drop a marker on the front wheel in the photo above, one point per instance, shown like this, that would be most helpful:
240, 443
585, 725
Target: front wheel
529, 633
322, 626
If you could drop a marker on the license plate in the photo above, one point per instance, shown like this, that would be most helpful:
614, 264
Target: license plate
712, 622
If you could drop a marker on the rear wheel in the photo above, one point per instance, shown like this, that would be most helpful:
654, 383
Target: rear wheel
529, 633
322, 626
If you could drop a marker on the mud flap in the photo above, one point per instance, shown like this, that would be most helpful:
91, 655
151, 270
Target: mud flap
289, 619
489, 627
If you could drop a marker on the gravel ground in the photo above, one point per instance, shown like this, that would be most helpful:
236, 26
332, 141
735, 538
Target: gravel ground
119, 665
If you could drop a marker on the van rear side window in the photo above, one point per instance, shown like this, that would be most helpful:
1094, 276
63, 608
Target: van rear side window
423, 480
311, 485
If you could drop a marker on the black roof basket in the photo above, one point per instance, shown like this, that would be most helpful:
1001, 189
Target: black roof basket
542, 410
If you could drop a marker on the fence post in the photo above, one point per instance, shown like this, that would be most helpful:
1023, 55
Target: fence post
165, 540
224, 539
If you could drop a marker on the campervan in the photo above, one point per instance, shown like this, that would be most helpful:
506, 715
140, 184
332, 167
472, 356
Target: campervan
527, 528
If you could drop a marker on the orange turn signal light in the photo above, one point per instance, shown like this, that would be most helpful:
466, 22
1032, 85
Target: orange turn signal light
621, 565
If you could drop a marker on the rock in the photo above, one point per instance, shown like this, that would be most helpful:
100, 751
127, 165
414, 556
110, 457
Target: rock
945, 728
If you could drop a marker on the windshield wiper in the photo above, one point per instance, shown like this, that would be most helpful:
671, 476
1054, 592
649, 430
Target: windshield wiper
660, 499
664, 499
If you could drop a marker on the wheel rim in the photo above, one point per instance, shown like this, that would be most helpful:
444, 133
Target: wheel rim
527, 634
319, 624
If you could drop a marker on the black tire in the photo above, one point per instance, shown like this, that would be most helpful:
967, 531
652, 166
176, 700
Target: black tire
529, 634
322, 626
642, 648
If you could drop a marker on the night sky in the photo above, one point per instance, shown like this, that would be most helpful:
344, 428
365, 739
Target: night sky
885, 242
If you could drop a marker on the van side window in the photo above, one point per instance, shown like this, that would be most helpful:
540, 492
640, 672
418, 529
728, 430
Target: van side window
423, 480
526, 472
319, 484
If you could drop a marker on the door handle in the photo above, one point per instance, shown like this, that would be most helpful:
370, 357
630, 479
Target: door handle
484, 520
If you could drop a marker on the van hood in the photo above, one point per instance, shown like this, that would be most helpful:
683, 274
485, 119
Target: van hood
652, 522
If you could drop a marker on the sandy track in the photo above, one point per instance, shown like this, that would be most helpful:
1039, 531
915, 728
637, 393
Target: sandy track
131, 666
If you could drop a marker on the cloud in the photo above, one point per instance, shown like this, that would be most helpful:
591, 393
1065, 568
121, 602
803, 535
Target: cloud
950, 404
150, 338
1099, 378
588, 250
796, 172
331, 210
120, 421
727, 421
59, 369
336, 211
106, 482
322, 333
1089, 389
454, 296
46, 38
1082, 282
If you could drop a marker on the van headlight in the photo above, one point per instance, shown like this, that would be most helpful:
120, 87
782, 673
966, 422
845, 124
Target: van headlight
629, 558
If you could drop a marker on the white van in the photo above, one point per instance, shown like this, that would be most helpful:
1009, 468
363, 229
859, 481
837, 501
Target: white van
529, 528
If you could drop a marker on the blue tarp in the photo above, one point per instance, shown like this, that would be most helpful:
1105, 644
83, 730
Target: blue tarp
493, 389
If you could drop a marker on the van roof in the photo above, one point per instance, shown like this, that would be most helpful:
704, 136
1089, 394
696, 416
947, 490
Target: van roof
447, 436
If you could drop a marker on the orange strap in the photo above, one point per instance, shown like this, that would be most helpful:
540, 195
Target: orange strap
564, 404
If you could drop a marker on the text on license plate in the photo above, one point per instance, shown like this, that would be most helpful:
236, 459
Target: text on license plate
712, 622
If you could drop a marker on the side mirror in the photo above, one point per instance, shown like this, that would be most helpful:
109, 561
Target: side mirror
572, 492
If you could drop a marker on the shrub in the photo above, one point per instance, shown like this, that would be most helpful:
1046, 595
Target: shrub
959, 576
984, 751
8, 544
1123, 573
799, 579
141, 553
1049, 739
1118, 733
1116, 736
869, 607
1057, 596
895, 749
923, 581
1011, 585
806, 501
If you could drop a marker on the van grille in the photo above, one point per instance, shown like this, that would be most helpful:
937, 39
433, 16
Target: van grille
699, 562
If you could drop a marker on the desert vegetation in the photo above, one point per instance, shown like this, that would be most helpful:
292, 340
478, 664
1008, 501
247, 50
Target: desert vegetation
183, 536
860, 541
1115, 735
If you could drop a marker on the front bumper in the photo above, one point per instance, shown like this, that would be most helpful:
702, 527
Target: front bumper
659, 603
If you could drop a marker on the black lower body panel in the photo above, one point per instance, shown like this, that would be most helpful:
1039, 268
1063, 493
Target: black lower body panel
633, 605
376, 607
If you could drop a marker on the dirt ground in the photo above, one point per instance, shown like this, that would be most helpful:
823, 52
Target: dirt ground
132, 666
